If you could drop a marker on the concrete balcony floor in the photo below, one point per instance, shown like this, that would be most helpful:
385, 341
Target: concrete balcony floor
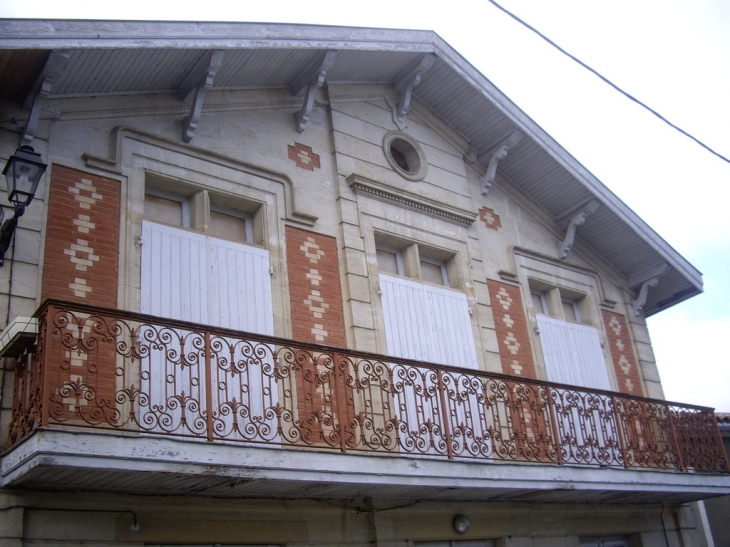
55, 459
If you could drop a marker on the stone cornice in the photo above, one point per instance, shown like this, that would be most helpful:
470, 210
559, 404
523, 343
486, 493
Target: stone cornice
402, 198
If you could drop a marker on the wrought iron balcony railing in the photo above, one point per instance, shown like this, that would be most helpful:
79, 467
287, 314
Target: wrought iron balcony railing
114, 370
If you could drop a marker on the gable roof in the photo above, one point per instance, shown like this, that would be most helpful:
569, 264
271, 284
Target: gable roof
118, 57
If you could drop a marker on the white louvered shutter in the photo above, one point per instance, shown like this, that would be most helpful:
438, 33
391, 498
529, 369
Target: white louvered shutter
452, 339
432, 324
427, 323
239, 287
174, 273
406, 318
206, 280
572, 353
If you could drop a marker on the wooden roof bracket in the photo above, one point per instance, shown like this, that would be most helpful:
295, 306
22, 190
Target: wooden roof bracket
577, 218
313, 77
495, 154
646, 278
199, 79
404, 84
52, 70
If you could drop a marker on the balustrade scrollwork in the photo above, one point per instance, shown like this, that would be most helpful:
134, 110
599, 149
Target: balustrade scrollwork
116, 370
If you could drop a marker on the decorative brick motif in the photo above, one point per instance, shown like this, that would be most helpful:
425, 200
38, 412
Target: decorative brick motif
317, 316
490, 218
82, 238
511, 326
303, 156
314, 280
81, 264
622, 353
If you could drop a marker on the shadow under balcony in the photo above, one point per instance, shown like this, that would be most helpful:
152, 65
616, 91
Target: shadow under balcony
110, 400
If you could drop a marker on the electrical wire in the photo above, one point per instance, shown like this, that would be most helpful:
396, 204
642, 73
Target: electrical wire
609, 82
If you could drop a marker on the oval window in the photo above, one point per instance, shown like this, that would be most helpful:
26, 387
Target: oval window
404, 155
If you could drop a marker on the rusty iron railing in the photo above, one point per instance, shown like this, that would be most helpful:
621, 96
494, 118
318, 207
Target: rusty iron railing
115, 370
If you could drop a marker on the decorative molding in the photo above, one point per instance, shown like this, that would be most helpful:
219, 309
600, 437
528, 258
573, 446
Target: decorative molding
577, 218
312, 77
509, 277
608, 303
599, 293
498, 152
200, 78
52, 70
113, 164
408, 200
640, 301
405, 83
547, 221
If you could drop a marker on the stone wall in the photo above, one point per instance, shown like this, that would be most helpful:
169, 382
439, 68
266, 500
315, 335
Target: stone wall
100, 519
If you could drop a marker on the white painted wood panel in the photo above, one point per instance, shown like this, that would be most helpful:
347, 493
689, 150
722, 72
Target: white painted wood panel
431, 324
572, 353
239, 287
173, 273
452, 339
206, 280
573, 356
427, 323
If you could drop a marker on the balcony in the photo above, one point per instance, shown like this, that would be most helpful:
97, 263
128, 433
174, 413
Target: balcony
119, 401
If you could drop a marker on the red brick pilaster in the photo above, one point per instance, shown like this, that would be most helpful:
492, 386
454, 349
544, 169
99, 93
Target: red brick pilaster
81, 264
317, 316
622, 353
314, 288
82, 238
511, 326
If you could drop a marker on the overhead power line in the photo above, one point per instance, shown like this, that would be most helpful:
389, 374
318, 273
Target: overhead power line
609, 82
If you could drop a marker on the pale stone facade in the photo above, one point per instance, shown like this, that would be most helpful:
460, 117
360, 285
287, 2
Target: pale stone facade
335, 179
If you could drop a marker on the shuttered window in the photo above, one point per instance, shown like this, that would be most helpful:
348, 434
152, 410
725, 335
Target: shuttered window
192, 277
573, 353
427, 323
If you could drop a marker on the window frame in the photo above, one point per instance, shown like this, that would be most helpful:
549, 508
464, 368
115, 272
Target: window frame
172, 196
410, 255
201, 225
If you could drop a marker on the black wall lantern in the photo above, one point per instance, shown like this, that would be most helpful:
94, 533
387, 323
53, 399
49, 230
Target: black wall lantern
23, 172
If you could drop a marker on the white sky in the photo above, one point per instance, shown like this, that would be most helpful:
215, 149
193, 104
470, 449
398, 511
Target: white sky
672, 54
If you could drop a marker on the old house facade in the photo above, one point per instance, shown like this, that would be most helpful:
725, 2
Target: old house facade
307, 285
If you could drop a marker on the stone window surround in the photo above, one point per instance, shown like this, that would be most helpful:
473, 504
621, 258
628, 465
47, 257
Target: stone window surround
559, 281
170, 171
451, 247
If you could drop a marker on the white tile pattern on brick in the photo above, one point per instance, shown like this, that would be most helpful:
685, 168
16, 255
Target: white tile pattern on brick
80, 253
623, 362
315, 302
510, 340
